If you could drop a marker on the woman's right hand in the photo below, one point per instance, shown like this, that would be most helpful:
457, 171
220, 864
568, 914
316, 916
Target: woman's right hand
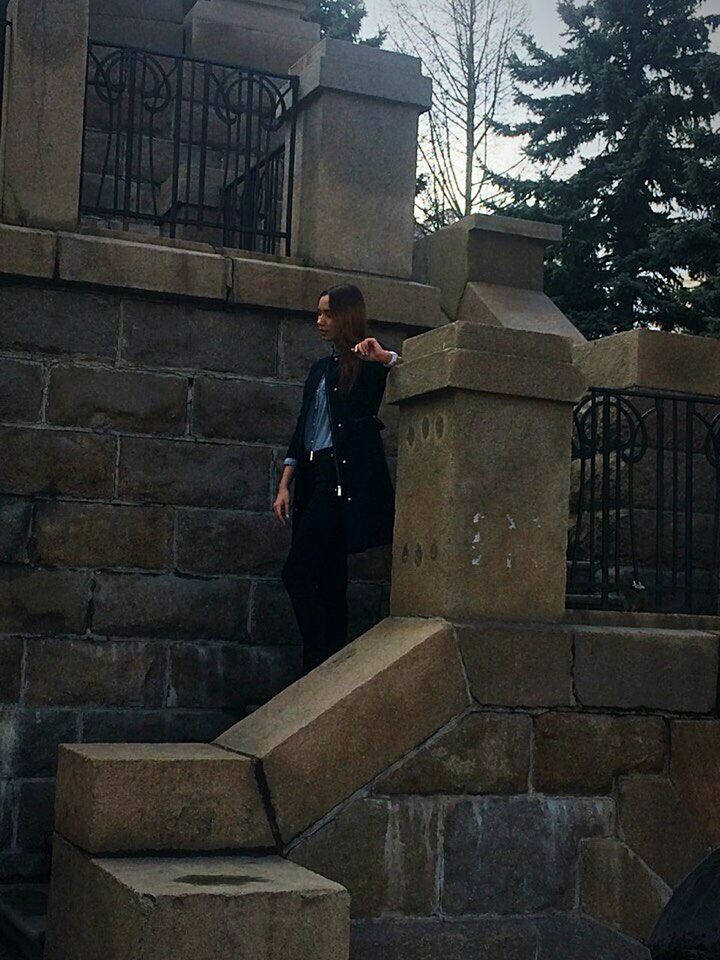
281, 505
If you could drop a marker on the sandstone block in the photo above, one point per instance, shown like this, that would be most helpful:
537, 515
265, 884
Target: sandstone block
50, 321
518, 665
56, 462
215, 541
14, 529
187, 337
695, 771
117, 400
338, 727
249, 908
135, 605
43, 601
141, 266
483, 753
27, 252
11, 655
658, 827
62, 672
245, 409
137, 797
657, 669
29, 740
583, 753
20, 390
617, 888
195, 474
393, 867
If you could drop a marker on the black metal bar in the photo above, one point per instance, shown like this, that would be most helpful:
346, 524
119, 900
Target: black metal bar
593, 473
689, 517
675, 504
605, 504
659, 497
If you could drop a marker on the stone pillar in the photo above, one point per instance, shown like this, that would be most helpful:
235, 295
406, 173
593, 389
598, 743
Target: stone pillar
483, 476
42, 131
354, 190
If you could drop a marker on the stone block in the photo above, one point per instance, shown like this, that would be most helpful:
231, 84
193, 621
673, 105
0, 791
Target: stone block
158, 35
659, 828
517, 854
489, 938
14, 529
187, 337
245, 409
272, 619
63, 672
571, 936
102, 535
196, 474
338, 727
54, 322
113, 798
43, 601
171, 10
11, 657
117, 400
653, 668
215, 541
618, 889
29, 740
141, 266
56, 462
249, 908
518, 665
583, 753
299, 346
35, 815
154, 726
136, 605
20, 391
391, 869
483, 753
695, 771
27, 252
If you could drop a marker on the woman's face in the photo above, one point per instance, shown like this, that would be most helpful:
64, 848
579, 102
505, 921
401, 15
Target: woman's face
326, 323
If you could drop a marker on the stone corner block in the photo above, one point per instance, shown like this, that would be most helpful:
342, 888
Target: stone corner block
115, 798
248, 908
27, 252
332, 731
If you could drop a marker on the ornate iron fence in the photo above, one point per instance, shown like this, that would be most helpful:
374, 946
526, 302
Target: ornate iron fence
195, 148
645, 504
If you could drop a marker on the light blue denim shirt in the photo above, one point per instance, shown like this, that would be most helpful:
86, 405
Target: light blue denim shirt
318, 434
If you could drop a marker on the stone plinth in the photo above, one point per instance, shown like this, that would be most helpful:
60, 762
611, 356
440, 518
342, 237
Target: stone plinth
43, 113
356, 155
483, 473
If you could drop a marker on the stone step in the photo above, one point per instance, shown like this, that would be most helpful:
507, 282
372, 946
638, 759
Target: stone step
23, 917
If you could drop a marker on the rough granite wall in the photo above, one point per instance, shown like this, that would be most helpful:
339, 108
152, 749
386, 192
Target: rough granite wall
140, 597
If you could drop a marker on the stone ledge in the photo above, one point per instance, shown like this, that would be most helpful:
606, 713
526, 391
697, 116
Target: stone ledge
27, 252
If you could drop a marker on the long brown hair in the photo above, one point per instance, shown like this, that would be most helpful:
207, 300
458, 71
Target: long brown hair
347, 306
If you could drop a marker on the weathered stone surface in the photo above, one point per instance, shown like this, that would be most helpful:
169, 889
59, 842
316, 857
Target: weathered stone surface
43, 601
134, 605
117, 400
695, 771
659, 828
518, 665
27, 252
245, 409
299, 346
272, 619
142, 266
246, 907
383, 853
338, 727
160, 35
489, 938
617, 888
135, 797
20, 390
102, 535
155, 726
186, 337
63, 672
56, 462
14, 529
658, 669
198, 474
484, 753
215, 541
516, 854
11, 655
573, 937
29, 740
583, 753
50, 321
35, 814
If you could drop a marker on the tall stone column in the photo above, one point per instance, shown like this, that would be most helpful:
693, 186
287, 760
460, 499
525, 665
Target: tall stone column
42, 129
356, 157
483, 476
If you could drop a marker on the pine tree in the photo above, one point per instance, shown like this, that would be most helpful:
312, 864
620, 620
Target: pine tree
638, 127
342, 19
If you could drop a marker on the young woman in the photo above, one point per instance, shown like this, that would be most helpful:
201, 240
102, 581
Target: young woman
343, 499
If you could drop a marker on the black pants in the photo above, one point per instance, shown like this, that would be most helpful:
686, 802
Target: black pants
315, 572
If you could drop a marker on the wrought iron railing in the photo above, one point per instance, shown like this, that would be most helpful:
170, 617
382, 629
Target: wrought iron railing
5, 28
645, 504
198, 149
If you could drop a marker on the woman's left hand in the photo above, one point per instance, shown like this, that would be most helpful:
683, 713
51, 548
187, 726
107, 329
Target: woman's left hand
370, 349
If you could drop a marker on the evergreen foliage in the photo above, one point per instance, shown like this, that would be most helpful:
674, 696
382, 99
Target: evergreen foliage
342, 19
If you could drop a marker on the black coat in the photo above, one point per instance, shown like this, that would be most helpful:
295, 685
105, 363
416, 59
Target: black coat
366, 490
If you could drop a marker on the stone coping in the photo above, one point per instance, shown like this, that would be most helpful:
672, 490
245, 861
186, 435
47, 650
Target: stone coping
514, 226
198, 271
661, 621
